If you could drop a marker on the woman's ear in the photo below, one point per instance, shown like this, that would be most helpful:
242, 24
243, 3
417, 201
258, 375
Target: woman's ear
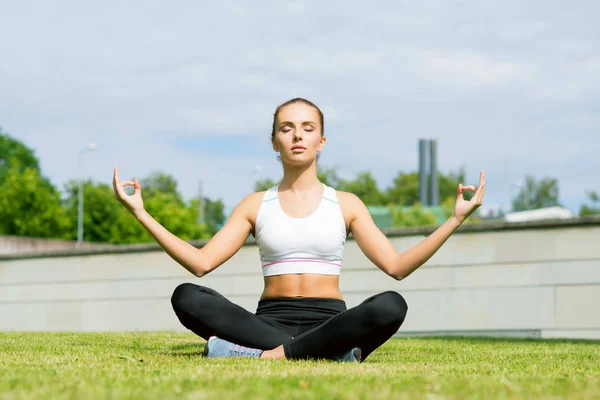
322, 144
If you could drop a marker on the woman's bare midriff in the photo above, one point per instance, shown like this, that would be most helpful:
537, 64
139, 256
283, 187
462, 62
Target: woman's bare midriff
302, 285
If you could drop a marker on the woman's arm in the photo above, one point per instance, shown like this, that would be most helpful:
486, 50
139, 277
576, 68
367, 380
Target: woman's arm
382, 253
199, 262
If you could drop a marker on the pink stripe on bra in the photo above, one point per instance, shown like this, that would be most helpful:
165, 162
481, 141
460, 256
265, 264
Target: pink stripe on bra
303, 260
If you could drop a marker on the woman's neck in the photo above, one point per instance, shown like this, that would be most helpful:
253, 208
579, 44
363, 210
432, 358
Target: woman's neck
299, 178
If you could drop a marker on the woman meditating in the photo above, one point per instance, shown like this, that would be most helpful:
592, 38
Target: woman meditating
300, 226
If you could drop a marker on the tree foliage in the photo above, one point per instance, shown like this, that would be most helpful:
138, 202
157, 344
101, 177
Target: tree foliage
328, 176
405, 187
160, 182
28, 207
106, 220
264, 184
214, 214
365, 187
537, 194
594, 207
403, 191
14, 155
29, 204
416, 215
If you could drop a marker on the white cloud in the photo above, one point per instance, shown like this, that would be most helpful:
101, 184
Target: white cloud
466, 70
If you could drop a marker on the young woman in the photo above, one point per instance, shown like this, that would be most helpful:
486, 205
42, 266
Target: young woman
300, 226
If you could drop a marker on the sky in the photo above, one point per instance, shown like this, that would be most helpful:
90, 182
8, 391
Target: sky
189, 88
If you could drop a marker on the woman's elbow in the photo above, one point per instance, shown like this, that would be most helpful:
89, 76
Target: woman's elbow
395, 273
398, 276
199, 270
201, 265
198, 273
395, 268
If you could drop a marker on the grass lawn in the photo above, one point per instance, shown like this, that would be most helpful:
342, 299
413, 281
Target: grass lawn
170, 365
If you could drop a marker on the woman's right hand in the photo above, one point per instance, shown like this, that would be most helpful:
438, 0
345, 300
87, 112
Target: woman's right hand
134, 202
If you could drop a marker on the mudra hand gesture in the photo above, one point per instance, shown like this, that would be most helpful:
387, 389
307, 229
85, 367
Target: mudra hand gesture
134, 202
464, 208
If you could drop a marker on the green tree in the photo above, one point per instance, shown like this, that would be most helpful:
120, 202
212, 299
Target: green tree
106, 220
16, 157
594, 207
449, 185
329, 177
416, 215
405, 187
365, 187
29, 203
404, 190
537, 194
214, 214
30, 207
164, 202
326, 175
159, 182
177, 217
264, 184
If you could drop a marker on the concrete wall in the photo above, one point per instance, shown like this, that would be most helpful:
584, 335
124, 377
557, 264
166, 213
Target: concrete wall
527, 279
21, 244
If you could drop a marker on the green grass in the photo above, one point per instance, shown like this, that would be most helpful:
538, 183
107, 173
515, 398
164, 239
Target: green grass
170, 365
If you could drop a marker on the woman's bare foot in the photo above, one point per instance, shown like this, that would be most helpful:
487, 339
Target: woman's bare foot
276, 354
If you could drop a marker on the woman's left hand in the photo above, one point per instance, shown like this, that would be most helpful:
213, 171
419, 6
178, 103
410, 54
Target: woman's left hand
464, 208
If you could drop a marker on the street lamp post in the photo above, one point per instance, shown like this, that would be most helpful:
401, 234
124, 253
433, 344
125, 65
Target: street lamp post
89, 147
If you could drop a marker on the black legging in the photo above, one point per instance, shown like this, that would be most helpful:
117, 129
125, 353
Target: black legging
307, 328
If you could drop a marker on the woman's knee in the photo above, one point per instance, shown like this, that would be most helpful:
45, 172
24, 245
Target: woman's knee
182, 295
391, 308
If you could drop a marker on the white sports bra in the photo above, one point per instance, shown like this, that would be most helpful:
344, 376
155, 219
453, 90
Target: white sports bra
311, 245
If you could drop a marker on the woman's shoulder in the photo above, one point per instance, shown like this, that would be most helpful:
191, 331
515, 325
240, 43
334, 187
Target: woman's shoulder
250, 205
347, 197
253, 199
349, 202
350, 206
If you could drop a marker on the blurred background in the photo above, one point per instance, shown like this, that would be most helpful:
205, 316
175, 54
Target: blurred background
182, 95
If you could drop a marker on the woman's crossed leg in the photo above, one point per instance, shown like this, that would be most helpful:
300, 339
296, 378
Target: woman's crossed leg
207, 313
366, 326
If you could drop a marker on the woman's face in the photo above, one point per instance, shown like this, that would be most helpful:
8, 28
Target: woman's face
298, 134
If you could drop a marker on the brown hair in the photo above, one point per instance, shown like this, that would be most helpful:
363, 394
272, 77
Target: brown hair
297, 100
